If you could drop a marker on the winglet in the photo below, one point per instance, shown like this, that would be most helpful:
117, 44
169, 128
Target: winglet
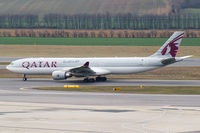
86, 64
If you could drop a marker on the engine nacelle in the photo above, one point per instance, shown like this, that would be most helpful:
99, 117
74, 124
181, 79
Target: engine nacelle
60, 75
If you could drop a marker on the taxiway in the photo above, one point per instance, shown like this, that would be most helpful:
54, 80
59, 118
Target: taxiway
13, 90
28, 110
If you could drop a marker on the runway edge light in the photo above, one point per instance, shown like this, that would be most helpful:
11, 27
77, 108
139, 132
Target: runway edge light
71, 86
116, 89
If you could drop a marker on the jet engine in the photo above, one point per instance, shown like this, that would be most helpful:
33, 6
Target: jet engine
60, 75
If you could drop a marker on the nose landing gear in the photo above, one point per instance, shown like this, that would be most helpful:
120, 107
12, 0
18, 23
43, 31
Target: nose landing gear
24, 78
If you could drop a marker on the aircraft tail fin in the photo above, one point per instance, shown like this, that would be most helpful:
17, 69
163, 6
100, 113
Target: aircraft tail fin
170, 47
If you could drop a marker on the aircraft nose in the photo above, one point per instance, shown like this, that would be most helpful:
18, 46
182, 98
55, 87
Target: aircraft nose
8, 67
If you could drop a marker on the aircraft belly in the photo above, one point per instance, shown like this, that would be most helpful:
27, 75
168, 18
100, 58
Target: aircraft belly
112, 70
129, 70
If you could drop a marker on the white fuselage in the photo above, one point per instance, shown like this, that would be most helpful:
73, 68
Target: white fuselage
126, 65
63, 68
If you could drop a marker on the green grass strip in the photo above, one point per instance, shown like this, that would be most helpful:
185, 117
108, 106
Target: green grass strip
4, 63
93, 41
132, 89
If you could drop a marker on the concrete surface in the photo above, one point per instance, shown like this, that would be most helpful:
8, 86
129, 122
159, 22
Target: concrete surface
14, 83
3, 66
24, 110
51, 118
11, 91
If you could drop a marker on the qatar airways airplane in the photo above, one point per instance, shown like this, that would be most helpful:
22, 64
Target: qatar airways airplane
63, 68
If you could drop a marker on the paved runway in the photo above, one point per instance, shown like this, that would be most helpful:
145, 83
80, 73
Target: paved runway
3, 66
9, 59
28, 110
9, 91
57, 118
14, 83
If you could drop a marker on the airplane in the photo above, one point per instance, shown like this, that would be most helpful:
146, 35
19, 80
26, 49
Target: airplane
64, 68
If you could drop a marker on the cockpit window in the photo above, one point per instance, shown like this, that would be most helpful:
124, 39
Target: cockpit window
12, 64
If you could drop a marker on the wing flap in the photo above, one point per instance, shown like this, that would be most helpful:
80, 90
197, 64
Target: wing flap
85, 71
82, 71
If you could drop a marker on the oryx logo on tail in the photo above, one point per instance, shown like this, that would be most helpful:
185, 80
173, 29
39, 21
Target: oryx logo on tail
172, 47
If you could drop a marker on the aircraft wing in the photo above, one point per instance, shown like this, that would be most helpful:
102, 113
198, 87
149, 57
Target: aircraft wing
85, 71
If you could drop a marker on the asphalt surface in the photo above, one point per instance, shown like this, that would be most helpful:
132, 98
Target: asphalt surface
16, 83
3, 66
10, 92
9, 59
27, 110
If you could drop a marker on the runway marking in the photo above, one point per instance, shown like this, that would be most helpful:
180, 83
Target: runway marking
144, 123
165, 112
21, 88
50, 129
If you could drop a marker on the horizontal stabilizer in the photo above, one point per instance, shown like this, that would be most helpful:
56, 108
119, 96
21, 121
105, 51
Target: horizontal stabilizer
182, 58
173, 60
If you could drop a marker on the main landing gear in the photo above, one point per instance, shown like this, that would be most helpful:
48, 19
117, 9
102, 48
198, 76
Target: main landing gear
24, 78
89, 80
98, 79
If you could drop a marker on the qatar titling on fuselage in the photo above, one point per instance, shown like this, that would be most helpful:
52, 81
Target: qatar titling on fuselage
38, 64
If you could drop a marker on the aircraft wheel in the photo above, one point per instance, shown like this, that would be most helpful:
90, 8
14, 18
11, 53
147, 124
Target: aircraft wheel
89, 80
99, 79
24, 78
104, 78
85, 80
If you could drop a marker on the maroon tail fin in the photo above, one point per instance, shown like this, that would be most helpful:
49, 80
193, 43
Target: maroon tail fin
170, 48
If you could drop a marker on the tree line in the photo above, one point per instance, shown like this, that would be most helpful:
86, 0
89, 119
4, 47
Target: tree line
93, 33
101, 21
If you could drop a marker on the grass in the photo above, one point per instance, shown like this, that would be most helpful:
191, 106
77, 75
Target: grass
88, 51
191, 10
4, 63
93, 41
131, 89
